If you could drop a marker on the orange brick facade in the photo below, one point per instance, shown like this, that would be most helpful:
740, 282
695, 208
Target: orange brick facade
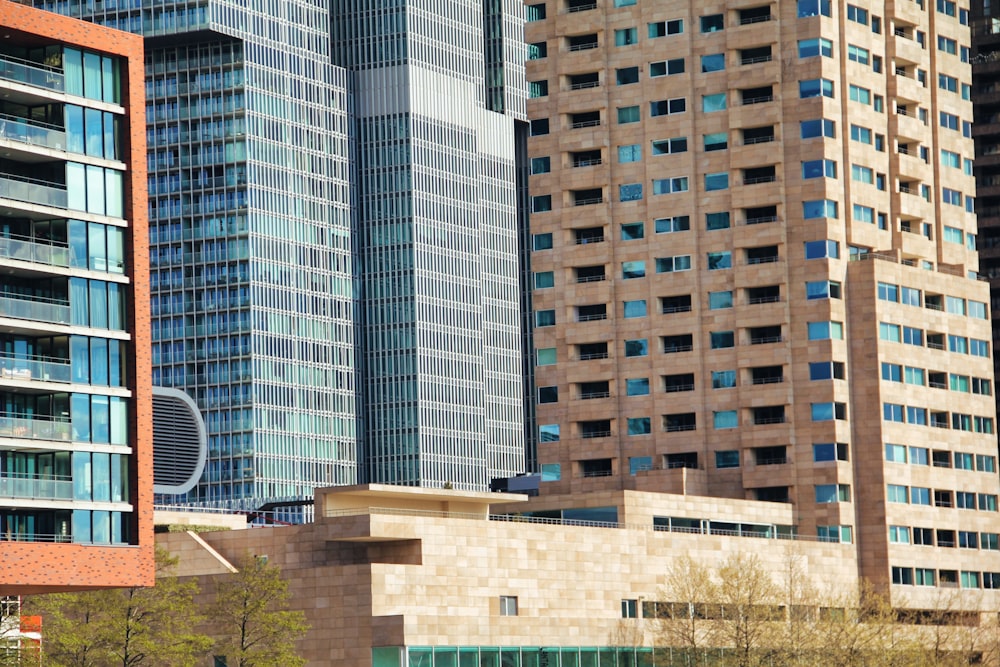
27, 567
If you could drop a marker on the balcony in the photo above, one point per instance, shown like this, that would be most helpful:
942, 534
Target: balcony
18, 425
29, 250
32, 190
32, 74
35, 487
33, 367
31, 132
40, 309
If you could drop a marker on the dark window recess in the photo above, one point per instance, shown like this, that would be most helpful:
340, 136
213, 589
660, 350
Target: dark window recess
680, 382
598, 311
598, 389
757, 95
580, 5
760, 54
679, 343
599, 428
755, 15
767, 375
590, 274
582, 42
587, 197
581, 81
772, 494
596, 468
759, 175
586, 158
675, 304
767, 254
684, 421
761, 214
765, 335
683, 460
769, 456
593, 351
585, 119
758, 135
589, 235
941, 458
772, 414
937, 379
764, 294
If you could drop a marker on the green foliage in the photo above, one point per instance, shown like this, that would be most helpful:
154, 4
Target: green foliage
251, 610
131, 627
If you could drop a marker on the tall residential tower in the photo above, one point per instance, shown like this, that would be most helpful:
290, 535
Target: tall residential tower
755, 269
76, 450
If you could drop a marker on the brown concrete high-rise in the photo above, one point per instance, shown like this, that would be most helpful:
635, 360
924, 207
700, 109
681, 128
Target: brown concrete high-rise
75, 393
755, 270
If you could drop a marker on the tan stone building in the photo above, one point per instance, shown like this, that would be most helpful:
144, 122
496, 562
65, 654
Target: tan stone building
390, 576
755, 274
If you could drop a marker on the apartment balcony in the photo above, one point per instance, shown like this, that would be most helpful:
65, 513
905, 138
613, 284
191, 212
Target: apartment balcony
907, 48
16, 425
904, 86
30, 250
909, 125
33, 367
36, 487
32, 191
28, 73
39, 309
908, 11
31, 133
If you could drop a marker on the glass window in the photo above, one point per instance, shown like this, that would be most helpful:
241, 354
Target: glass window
721, 339
638, 347
720, 300
635, 308
639, 426
628, 115
729, 458
725, 419
631, 231
545, 356
716, 102
807, 8
715, 62
637, 387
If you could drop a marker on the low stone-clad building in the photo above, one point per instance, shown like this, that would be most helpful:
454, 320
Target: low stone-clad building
385, 573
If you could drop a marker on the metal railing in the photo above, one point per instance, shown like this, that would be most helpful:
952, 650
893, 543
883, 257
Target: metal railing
595, 394
753, 60
756, 300
754, 180
582, 85
589, 435
31, 250
751, 141
27, 308
583, 47
592, 318
755, 19
33, 74
758, 220
593, 355
32, 132
760, 99
591, 279
769, 259
36, 487
34, 367
33, 190
774, 379
34, 428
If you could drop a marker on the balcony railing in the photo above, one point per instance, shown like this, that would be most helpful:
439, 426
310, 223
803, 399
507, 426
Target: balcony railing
583, 47
592, 318
595, 394
33, 486
30, 250
755, 59
761, 219
33, 74
767, 259
754, 180
32, 132
750, 141
771, 379
597, 473
595, 434
591, 279
47, 369
760, 99
588, 356
34, 428
755, 19
584, 84
39, 309
32, 190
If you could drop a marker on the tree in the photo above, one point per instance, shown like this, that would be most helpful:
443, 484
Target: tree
750, 605
131, 627
251, 611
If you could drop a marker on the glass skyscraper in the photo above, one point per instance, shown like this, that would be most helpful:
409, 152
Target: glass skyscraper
326, 216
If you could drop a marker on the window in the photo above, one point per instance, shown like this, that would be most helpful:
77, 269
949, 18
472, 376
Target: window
540, 165
545, 356
953, 235
638, 347
863, 213
720, 300
817, 128
826, 331
630, 192
715, 221
541, 241
987, 502
536, 12
889, 332
857, 14
548, 394
665, 186
541, 203
538, 88
672, 264
719, 340
946, 7
913, 336
858, 54
637, 386
824, 289
888, 292
712, 23
826, 370
626, 75
630, 608
632, 270
833, 493
669, 146
666, 67
895, 453
899, 534
626, 36
977, 310
910, 296
538, 50
819, 169
508, 605
925, 576
822, 249
861, 134
630, 153
729, 458
807, 8
635, 309
628, 115
949, 196
548, 433
948, 121
820, 208
539, 127
664, 28
714, 62
859, 94
896, 493
893, 412
720, 260
667, 107
632, 231
724, 419
723, 379
920, 495
902, 575
810, 48
717, 141
716, 102
862, 174
834, 534
716, 181
830, 451
913, 375
545, 318
544, 279
680, 223
638, 426
828, 411
815, 88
